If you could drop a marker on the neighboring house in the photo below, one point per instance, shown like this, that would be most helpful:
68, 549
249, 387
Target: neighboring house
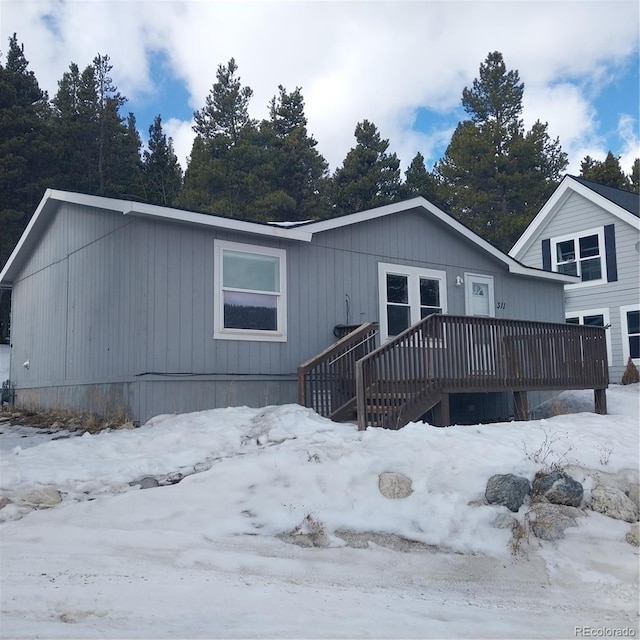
592, 231
122, 306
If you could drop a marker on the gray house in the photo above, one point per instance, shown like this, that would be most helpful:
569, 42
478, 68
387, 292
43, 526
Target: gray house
122, 306
593, 231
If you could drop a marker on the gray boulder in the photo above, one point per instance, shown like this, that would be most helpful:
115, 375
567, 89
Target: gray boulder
549, 521
507, 490
557, 487
633, 535
4, 501
394, 485
612, 502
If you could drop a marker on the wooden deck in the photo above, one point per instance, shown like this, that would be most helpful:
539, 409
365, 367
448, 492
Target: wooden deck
416, 371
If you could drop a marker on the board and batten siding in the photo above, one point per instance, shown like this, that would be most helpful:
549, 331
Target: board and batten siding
116, 312
580, 214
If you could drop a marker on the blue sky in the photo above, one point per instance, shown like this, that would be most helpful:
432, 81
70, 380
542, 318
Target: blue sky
400, 64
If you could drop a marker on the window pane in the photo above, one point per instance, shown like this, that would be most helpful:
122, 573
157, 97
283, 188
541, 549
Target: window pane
397, 319
591, 269
427, 311
568, 268
429, 292
572, 320
589, 247
633, 322
397, 289
566, 251
594, 321
634, 346
250, 311
251, 271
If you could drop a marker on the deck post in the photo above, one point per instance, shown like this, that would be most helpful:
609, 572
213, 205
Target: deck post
520, 405
600, 401
441, 412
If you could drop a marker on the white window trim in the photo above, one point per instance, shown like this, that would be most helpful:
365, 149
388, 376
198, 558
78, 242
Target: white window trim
413, 273
624, 327
469, 278
219, 331
599, 231
604, 312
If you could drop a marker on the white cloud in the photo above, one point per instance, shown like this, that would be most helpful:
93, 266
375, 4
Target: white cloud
182, 135
630, 150
354, 60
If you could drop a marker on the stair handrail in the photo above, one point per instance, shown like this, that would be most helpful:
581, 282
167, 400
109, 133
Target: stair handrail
347, 350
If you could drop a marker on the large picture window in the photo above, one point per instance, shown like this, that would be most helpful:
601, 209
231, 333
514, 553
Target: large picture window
249, 292
408, 294
580, 255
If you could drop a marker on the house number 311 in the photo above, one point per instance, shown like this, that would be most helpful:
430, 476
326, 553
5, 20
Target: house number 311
501, 305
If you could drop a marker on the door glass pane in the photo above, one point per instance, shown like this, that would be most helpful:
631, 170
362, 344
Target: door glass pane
250, 311
589, 246
397, 319
429, 292
594, 321
257, 272
591, 269
397, 289
566, 251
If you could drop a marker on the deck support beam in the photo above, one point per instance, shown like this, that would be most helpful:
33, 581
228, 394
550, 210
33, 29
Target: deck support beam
520, 405
442, 412
600, 401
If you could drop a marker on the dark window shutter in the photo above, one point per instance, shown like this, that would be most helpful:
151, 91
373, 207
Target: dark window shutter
610, 252
546, 255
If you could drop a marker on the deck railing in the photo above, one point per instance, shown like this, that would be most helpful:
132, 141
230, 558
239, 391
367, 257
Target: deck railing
404, 378
327, 382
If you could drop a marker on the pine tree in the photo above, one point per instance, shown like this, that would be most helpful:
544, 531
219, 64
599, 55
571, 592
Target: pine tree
495, 176
26, 153
300, 171
635, 176
162, 175
607, 172
369, 176
419, 182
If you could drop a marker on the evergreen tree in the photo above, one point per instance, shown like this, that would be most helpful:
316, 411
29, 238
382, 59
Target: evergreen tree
99, 150
369, 176
226, 110
635, 176
161, 172
300, 171
607, 172
26, 153
495, 176
419, 182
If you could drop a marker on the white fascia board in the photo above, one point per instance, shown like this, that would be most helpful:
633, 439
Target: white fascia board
166, 213
26, 233
556, 200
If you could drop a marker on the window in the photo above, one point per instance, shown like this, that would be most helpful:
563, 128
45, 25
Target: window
408, 294
593, 318
250, 286
630, 321
580, 255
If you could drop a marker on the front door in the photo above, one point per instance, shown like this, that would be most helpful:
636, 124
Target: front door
479, 301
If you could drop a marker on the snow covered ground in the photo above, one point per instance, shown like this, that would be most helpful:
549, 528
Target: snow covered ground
204, 558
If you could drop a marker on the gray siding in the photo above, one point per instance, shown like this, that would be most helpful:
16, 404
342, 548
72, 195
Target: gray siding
580, 214
115, 313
